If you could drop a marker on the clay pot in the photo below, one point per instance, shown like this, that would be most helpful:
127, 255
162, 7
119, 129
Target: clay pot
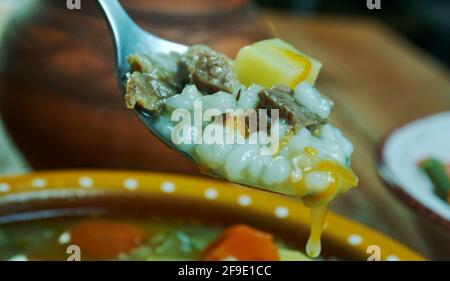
59, 98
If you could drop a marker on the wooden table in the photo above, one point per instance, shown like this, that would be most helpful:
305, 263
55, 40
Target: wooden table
378, 82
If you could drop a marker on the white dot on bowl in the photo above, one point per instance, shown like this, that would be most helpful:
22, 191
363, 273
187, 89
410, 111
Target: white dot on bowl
281, 212
211, 193
354, 239
86, 182
168, 187
244, 200
4, 187
64, 238
130, 184
392, 258
39, 183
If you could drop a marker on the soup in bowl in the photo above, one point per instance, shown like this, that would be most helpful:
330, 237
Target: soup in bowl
106, 215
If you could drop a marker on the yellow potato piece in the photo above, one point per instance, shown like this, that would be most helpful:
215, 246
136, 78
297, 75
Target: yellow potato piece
274, 61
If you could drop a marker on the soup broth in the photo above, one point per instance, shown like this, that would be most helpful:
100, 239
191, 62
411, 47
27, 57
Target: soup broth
119, 238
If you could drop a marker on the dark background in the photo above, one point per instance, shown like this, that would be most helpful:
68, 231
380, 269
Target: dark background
426, 23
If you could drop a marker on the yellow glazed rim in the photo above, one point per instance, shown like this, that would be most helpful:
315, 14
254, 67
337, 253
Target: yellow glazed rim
346, 235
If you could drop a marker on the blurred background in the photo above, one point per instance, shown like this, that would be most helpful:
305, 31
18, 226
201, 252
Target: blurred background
60, 107
425, 23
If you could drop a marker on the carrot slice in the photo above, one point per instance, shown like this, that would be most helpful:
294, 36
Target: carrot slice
106, 239
243, 243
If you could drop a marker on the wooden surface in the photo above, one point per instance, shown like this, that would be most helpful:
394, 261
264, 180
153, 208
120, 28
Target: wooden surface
378, 82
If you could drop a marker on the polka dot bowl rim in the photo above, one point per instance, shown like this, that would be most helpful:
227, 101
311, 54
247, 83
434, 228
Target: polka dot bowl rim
205, 199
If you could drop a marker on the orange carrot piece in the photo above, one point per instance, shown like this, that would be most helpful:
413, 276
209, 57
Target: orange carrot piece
106, 239
243, 243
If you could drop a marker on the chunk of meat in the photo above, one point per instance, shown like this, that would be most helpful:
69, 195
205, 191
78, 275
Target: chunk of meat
149, 84
281, 97
209, 70
141, 63
106, 239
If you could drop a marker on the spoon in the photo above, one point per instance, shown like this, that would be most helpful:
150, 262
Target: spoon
129, 38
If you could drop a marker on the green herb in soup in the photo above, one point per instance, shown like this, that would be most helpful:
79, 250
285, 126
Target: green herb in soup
113, 238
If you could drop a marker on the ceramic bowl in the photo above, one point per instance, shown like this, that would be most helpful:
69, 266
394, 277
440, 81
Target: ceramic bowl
61, 193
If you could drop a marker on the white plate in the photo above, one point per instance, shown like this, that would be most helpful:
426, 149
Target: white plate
404, 148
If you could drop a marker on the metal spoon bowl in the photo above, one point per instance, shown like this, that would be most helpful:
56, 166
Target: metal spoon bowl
129, 38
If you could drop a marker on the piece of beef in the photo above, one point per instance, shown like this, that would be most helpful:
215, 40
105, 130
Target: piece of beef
149, 84
281, 97
209, 70
147, 92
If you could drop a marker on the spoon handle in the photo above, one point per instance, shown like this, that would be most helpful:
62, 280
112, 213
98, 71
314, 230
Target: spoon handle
117, 18
124, 30
130, 38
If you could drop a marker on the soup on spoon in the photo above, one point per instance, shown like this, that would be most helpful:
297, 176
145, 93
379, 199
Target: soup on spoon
257, 121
